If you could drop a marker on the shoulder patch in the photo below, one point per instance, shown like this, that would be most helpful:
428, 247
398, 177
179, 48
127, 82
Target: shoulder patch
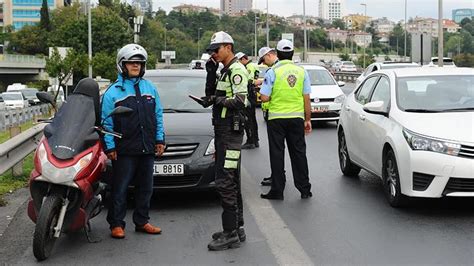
237, 79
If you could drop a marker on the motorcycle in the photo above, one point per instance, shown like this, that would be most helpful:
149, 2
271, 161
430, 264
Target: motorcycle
69, 163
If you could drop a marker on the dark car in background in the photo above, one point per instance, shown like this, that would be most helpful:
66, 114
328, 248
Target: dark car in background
188, 160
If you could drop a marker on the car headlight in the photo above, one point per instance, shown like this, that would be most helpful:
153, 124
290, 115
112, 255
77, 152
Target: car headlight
211, 149
418, 142
340, 98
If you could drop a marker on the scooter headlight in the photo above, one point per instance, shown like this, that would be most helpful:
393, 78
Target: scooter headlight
64, 175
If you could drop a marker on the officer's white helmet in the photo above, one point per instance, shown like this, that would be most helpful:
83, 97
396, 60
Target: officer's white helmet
218, 39
262, 52
131, 52
239, 55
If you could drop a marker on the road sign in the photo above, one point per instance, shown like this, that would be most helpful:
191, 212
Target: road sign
168, 54
288, 36
421, 48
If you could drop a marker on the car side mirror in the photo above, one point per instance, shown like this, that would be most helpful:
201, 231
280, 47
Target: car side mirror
377, 107
341, 83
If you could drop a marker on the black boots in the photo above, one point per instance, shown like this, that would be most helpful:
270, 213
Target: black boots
271, 195
240, 234
225, 240
248, 146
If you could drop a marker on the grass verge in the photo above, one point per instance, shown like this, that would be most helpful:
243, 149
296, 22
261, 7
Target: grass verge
10, 183
5, 135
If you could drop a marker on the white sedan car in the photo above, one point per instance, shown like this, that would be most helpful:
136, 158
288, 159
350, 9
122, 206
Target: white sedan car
414, 129
326, 94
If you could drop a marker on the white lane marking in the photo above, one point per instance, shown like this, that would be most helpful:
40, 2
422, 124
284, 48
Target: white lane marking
283, 244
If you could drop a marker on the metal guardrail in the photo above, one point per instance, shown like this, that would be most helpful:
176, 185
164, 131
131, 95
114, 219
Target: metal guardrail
17, 148
346, 76
30, 59
12, 117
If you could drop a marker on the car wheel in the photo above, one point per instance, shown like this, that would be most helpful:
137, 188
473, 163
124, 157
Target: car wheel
347, 167
391, 179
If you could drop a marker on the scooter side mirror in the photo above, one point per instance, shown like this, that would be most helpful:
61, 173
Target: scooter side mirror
45, 97
119, 110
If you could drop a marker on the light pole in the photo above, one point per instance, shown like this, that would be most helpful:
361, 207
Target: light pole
440, 33
166, 29
89, 36
305, 59
405, 49
268, 29
255, 51
365, 17
199, 36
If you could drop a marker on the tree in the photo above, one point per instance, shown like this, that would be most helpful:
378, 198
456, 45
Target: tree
44, 16
63, 68
29, 40
464, 60
345, 57
339, 24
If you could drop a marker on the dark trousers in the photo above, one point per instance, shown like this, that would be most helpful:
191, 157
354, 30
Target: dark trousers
291, 130
127, 169
251, 127
227, 143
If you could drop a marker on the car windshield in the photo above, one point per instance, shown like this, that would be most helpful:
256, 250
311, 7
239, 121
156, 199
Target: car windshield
174, 92
12, 97
29, 93
436, 93
320, 77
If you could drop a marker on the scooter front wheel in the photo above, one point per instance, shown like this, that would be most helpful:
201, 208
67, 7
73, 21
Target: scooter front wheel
43, 238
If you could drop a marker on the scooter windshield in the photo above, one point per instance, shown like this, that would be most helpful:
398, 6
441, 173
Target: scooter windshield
72, 130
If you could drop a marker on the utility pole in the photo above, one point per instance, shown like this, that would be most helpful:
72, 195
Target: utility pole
406, 22
255, 51
138, 20
166, 29
89, 36
305, 53
365, 25
268, 29
199, 37
440, 33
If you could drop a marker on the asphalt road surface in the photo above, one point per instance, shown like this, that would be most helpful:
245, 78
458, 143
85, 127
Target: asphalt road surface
348, 221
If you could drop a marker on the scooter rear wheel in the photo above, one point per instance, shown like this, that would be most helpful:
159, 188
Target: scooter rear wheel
43, 238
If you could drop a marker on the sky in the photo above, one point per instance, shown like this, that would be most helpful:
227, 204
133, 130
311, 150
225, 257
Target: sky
393, 9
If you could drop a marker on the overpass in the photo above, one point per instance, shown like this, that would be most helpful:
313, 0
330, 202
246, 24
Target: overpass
20, 68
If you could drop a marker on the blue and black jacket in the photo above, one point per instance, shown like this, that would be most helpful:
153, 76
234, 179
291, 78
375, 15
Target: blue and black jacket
143, 128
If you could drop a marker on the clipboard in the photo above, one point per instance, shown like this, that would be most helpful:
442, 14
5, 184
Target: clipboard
197, 99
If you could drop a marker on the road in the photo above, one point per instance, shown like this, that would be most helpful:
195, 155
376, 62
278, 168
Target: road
348, 221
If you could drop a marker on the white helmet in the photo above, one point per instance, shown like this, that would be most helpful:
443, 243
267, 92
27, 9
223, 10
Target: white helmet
131, 52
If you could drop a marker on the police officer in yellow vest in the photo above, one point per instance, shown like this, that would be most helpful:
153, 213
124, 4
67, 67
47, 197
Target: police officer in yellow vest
229, 99
251, 127
289, 117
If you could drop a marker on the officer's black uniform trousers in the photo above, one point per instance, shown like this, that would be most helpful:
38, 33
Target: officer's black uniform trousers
228, 179
251, 127
291, 129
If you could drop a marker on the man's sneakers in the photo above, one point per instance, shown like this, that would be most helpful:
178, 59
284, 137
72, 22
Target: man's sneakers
272, 195
240, 234
148, 228
117, 232
225, 241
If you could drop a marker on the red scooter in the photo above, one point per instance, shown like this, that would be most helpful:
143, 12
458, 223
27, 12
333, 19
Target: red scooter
68, 165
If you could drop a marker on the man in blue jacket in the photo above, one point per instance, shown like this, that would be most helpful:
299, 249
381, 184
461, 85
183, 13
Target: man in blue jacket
143, 136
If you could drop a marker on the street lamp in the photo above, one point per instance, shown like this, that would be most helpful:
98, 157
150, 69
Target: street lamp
137, 21
440, 33
255, 51
89, 36
199, 37
365, 17
305, 57
166, 29
268, 29
405, 54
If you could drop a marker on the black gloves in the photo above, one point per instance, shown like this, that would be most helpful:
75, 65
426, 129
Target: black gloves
211, 66
211, 78
207, 101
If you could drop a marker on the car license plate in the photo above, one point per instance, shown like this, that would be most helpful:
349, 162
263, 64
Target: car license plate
169, 169
319, 109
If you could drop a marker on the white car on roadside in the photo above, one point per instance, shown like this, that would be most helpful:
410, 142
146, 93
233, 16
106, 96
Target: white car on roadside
326, 94
14, 100
383, 65
347, 66
413, 129
447, 62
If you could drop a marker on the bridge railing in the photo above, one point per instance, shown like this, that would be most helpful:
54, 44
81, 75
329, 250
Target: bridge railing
30, 59
15, 117
346, 76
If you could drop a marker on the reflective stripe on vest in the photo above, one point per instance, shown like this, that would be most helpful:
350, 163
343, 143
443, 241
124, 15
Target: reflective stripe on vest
287, 100
225, 84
